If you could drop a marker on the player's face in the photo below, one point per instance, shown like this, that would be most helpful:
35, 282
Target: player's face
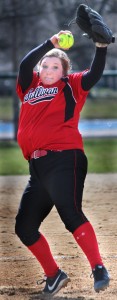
51, 70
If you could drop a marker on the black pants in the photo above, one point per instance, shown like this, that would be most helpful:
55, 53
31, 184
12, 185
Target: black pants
56, 179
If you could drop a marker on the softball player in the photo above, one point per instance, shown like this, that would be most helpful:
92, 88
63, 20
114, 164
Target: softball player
48, 135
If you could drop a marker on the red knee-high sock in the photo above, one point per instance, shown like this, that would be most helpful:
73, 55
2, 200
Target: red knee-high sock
86, 239
41, 251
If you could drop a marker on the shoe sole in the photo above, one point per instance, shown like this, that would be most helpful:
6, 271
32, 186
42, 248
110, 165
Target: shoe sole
101, 287
61, 285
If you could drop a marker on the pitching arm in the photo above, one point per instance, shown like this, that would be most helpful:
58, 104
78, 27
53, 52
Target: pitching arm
29, 62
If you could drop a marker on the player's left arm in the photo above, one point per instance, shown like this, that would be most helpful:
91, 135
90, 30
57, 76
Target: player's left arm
93, 75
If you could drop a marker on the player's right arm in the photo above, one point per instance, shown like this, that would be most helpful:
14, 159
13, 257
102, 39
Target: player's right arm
29, 62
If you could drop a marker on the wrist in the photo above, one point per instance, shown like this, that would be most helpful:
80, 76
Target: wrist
101, 45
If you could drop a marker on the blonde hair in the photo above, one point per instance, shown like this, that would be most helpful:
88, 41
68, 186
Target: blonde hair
65, 61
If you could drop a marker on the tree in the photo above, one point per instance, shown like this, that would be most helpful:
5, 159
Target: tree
25, 24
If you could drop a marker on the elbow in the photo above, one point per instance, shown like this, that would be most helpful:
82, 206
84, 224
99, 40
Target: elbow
22, 66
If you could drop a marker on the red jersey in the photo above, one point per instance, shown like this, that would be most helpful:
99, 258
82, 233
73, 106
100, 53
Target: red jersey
50, 113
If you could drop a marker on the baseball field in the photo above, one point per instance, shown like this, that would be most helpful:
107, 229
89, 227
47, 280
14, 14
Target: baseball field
19, 270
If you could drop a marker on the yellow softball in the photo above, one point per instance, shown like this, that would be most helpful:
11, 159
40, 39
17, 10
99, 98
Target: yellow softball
66, 40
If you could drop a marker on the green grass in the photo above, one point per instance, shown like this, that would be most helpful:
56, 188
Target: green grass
6, 108
11, 159
101, 154
99, 108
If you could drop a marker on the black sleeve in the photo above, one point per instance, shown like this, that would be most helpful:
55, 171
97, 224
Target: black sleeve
30, 61
90, 78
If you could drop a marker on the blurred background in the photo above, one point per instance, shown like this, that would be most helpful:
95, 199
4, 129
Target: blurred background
26, 24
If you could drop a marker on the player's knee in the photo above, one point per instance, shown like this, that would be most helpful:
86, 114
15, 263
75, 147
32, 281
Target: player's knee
72, 223
27, 235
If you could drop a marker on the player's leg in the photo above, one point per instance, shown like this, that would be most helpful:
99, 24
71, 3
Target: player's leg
85, 235
66, 189
34, 207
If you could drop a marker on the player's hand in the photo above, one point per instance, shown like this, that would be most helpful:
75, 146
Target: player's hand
55, 38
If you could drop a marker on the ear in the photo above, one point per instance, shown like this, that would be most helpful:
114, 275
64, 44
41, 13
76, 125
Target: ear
38, 67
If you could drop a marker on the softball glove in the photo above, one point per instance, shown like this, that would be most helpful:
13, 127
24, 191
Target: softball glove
93, 25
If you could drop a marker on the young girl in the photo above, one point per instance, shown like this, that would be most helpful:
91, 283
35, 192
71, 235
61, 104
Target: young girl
48, 135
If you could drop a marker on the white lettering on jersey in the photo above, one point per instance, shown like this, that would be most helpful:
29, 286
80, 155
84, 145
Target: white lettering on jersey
40, 94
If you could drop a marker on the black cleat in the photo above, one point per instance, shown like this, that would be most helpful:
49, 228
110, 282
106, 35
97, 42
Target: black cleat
54, 284
101, 278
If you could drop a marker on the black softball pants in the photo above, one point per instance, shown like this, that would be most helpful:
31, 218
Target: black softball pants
55, 179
